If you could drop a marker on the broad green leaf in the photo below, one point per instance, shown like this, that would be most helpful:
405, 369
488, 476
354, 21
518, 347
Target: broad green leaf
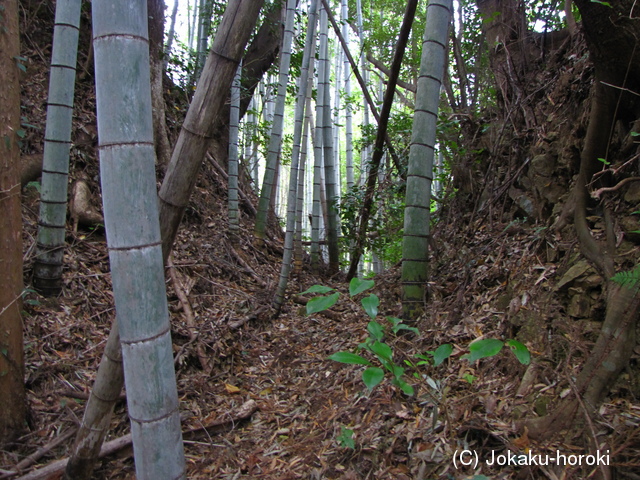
375, 330
402, 326
317, 289
397, 371
395, 321
370, 305
382, 350
319, 304
372, 376
345, 439
397, 325
487, 347
405, 387
357, 286
520, 351
442, 353
348, 357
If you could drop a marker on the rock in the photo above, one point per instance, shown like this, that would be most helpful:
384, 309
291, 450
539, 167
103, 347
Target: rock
579, 269
632, 195
579, 306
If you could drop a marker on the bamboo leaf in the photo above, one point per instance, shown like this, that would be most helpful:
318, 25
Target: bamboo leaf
319, 304
372, 376
370, 305
487, 347
520, 351
350, 358
442, 353
357, 286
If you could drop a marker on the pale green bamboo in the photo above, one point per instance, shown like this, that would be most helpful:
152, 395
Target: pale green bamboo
415, 241
300, 204
275, 140
127, 171
317, 175
348, 139
327, 145
292, 197
232, 191
48, 263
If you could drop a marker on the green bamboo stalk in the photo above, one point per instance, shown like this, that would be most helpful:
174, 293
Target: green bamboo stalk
48, 263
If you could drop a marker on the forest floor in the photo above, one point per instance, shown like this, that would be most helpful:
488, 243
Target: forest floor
296, 402
259, 397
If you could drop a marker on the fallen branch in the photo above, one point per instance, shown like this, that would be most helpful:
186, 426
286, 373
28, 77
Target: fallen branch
245, 200
596, 194
221, 424
42, 451
189, 319
254, 316
246, 267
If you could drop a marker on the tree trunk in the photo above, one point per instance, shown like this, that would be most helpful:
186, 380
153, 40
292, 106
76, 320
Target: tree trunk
232, 190
127, 171
348, 140
12, 399
156, 49
611, 37
98, 411
378, 151
417, 214
301, 101
275, 139
195, 137
47, 269
316, 208
331, 227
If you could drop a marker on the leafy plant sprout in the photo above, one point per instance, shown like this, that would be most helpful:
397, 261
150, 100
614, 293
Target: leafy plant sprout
383, 353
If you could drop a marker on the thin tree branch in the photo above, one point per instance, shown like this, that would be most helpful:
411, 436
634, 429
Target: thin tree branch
365, 212
363, 86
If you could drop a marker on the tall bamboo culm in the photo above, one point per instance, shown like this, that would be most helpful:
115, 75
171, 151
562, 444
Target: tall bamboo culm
415, 242
232, 190
127, 171
48, 264
327, 145
292, 197
275, 140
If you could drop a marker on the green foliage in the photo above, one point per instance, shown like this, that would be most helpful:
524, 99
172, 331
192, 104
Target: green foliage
387, 219
357, 286
35, 185
345, 439
629, 279
318, 304
382, 352
490, 347
181, 66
